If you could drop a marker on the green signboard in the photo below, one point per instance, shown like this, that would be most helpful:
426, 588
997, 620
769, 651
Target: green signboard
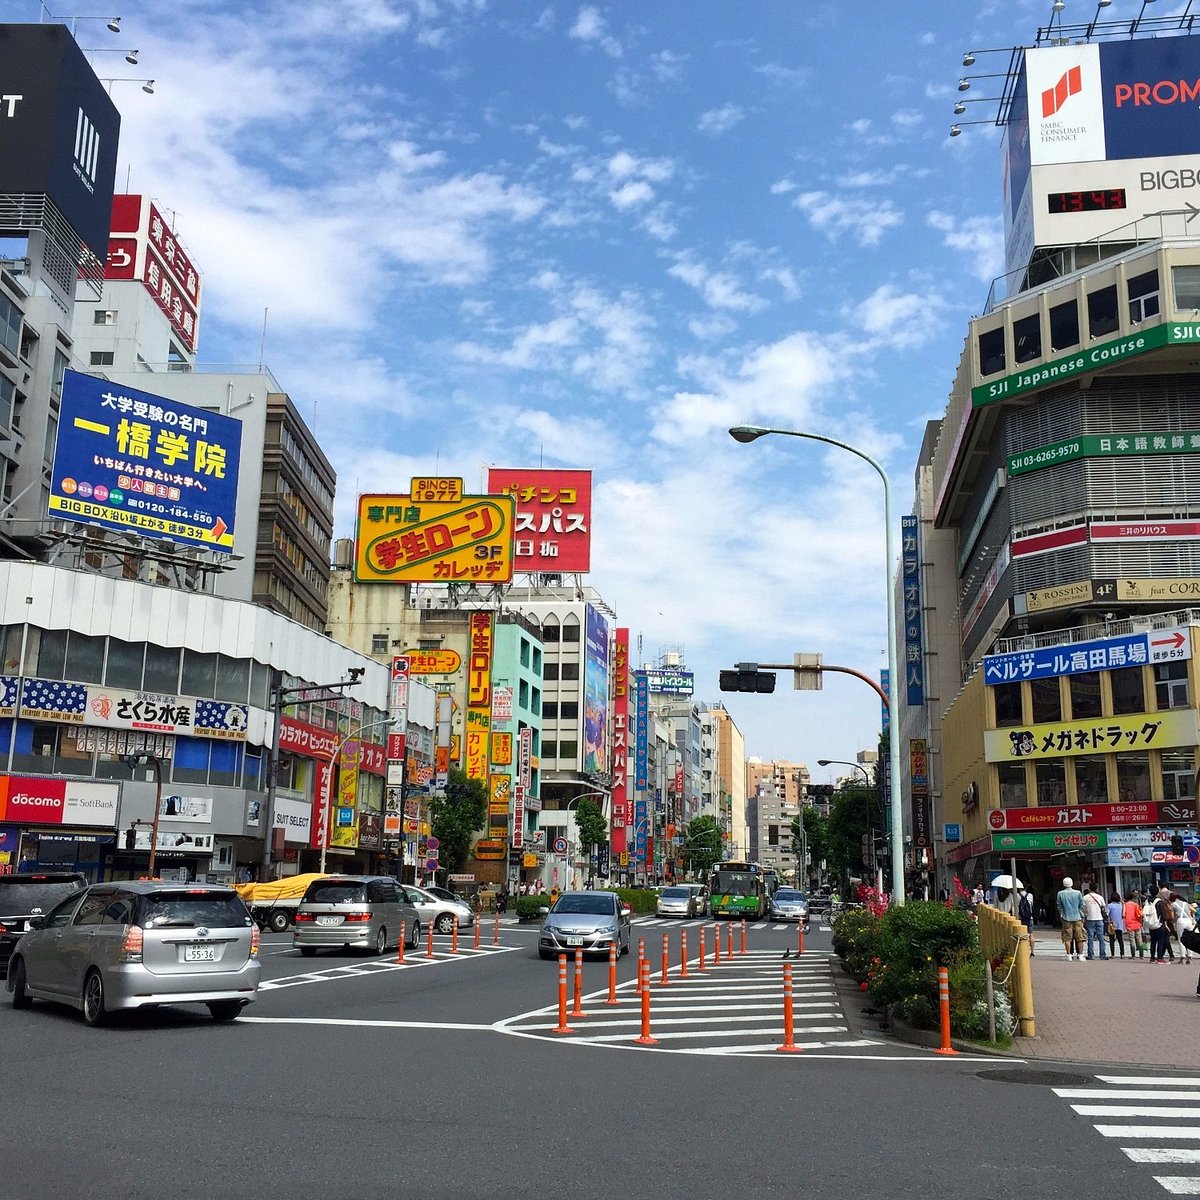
1106, 445
1092, 839
1081, 362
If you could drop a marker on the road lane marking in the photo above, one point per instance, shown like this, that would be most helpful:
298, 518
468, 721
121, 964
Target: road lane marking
1161, 1154
367, 1024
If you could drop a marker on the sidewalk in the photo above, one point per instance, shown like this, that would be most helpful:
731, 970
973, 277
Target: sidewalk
1120, 1010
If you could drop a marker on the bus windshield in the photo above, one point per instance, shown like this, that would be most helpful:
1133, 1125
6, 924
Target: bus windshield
734, 883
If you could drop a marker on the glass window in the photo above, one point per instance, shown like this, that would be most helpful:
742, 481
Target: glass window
1128, 690
199, 674
1064, 326
1051, 776
162, 670
550, 710
1143, 297
52, 653
379, 643
119, 910
34, 749
1027, 338
570, 670
233, 679
191, 760
1007, 698
225, 764
92, 908
1170, 685
1047, 700
85, 658
549, 749
570, 710
1091, 779
568, 751
1133, 777
523, 694
991, 351
1187, 287
101, 358
1102, 311
570, 632
70, 760
252, 768
551, 633
124, 666
1179, 774
1013, 790
260, 685
1085, 694
526, 648
551, 671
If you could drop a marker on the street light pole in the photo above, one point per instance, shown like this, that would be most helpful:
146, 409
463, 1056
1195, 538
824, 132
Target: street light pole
750, 433
825, 762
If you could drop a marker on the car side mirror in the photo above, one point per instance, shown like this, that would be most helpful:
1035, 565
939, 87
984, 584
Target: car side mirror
544, 911
626, 910
37, 922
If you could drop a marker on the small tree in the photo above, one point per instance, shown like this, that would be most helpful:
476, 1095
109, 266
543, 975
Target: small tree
456, 816
593, 828
702, 845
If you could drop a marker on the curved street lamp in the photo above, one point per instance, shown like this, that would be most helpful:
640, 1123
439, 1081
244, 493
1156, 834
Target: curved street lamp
845, 762
751, 433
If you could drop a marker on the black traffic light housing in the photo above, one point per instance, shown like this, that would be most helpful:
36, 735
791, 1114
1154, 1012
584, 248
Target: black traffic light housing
1177, 843
747, 679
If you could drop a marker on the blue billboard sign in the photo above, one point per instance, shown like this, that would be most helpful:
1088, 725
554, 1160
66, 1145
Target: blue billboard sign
1151, 87
1078, 658
595, 693
140, 463
914, 641
671, 683
641, 745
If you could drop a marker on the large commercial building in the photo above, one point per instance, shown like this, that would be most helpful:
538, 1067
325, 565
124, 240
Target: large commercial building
1055, 535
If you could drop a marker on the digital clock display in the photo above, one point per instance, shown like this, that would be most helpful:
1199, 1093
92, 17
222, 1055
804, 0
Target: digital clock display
1071, 202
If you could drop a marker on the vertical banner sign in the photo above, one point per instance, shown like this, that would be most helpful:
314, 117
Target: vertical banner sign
914, 643
343, 820
318, 826
641, 752
620, 743
918, 768
885, 682
595, 693
523, 783
445, 715
397, 746
479, 696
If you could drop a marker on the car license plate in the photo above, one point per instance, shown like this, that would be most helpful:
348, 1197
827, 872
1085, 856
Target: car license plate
329, 920
199, 954
574, 941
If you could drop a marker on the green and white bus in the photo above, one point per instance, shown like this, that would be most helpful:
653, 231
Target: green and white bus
738, 889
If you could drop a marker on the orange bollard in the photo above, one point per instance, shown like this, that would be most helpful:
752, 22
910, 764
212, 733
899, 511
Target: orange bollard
789, 1037
716, 944
664, 981
729, 943
476, 925
429, 949
577, 1011
646, 1039
683, 954
700, 966
800, 939
400, 946
743, 935
562, 1026
454, 936
944, 1004
641, 962
496, 929
612, 975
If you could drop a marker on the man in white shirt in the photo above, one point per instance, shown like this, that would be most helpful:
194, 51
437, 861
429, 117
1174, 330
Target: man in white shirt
1094, 913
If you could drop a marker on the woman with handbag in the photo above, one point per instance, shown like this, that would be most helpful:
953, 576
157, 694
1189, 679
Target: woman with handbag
1133, 925
1185, 922
1114, 925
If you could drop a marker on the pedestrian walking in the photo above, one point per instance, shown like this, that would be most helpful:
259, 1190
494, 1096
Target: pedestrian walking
1025, 910
1094, 913
1114, 929
1185, 922
1132, 911
1069, 903
1156, 916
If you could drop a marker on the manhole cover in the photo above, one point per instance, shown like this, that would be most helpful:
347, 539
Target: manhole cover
1033, 1075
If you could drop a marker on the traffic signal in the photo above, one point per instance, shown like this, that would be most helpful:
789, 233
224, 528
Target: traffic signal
130, 837
1177, 843
747, 679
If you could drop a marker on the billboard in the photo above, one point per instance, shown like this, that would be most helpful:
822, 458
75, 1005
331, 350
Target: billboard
55, 801
1078, 658
595, 693
143, 246
620, 743
139, 463
434, 534
58, 128
554, 517
914, 640
665, 682
1058, 739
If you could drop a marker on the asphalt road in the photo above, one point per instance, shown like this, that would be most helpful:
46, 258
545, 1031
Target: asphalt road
443, 1079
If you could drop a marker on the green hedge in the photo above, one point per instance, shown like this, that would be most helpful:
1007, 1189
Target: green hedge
640, 900
855, 937
528, 906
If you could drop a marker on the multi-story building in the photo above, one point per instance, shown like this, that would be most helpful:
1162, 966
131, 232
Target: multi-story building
730, 783
1058, 500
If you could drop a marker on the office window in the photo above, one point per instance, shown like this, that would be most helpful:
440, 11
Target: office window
1128, 690
570, 670
991, 351
549, 749
1047, 700
1133, 777
1170, 685
162, 670
550, 710
104, 316
51, 653
551, 671
123, 668
523, 694
199, 674
233, 679
1013, 790
1085, 694
1178, 774
1143, 297
568, 751
551, 632
1102, 311
379, 643
570, 710
101, 358
1091, 779
1051, 776
1186, 281
260, 684
190, 764
225, 764
85, 658
1007, 699
1027, 338
1064, 326
570, 632
526, 648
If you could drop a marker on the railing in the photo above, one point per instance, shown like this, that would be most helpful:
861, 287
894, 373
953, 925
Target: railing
1001, 935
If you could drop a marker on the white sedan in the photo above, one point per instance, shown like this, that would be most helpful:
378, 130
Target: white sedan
435, 911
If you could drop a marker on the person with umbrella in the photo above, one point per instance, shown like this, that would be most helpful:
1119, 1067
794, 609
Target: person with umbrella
1006, 887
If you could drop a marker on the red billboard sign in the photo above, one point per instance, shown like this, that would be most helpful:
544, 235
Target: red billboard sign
553, 529
1095, 816
620, 742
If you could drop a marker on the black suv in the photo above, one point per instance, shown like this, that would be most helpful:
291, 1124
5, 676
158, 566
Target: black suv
25, 896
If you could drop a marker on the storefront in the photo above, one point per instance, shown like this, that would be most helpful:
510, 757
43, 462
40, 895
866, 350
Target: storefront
57, 824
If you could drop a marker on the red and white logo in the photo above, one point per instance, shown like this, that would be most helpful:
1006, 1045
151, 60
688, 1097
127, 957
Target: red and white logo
1070, 84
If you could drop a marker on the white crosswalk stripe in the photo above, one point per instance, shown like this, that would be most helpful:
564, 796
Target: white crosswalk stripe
1137, 1109
734, 1007
413, 958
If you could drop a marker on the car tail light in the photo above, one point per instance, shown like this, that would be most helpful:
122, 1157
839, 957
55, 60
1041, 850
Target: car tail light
302, 918
356, 916
255, 941
131, 946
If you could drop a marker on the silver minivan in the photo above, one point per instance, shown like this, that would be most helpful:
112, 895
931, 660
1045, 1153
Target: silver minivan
360, 912
138, 944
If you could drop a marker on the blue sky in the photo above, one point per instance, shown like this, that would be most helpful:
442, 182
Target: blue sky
597, 235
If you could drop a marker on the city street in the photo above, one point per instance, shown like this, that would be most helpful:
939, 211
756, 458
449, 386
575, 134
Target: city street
442, 1079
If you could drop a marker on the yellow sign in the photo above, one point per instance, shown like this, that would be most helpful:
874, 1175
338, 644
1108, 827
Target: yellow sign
501, 789
343, 820
477, 763
502, 745
529, 860
433, 662
409, 539
1063, 595
491, 848
1158, 589
1102, 735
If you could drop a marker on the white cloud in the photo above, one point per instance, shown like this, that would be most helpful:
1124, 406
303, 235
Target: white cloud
719, 288
782, 186
897, 319
624, 165
907, 119
721, 120
981, 239
865, 221
631, 194
667, 66
658, 225
590, 27
529, 349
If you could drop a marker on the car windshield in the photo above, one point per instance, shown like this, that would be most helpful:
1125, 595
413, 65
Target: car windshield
600, 906
347, 891
219, 910
675, 893
787, 896
20, 898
